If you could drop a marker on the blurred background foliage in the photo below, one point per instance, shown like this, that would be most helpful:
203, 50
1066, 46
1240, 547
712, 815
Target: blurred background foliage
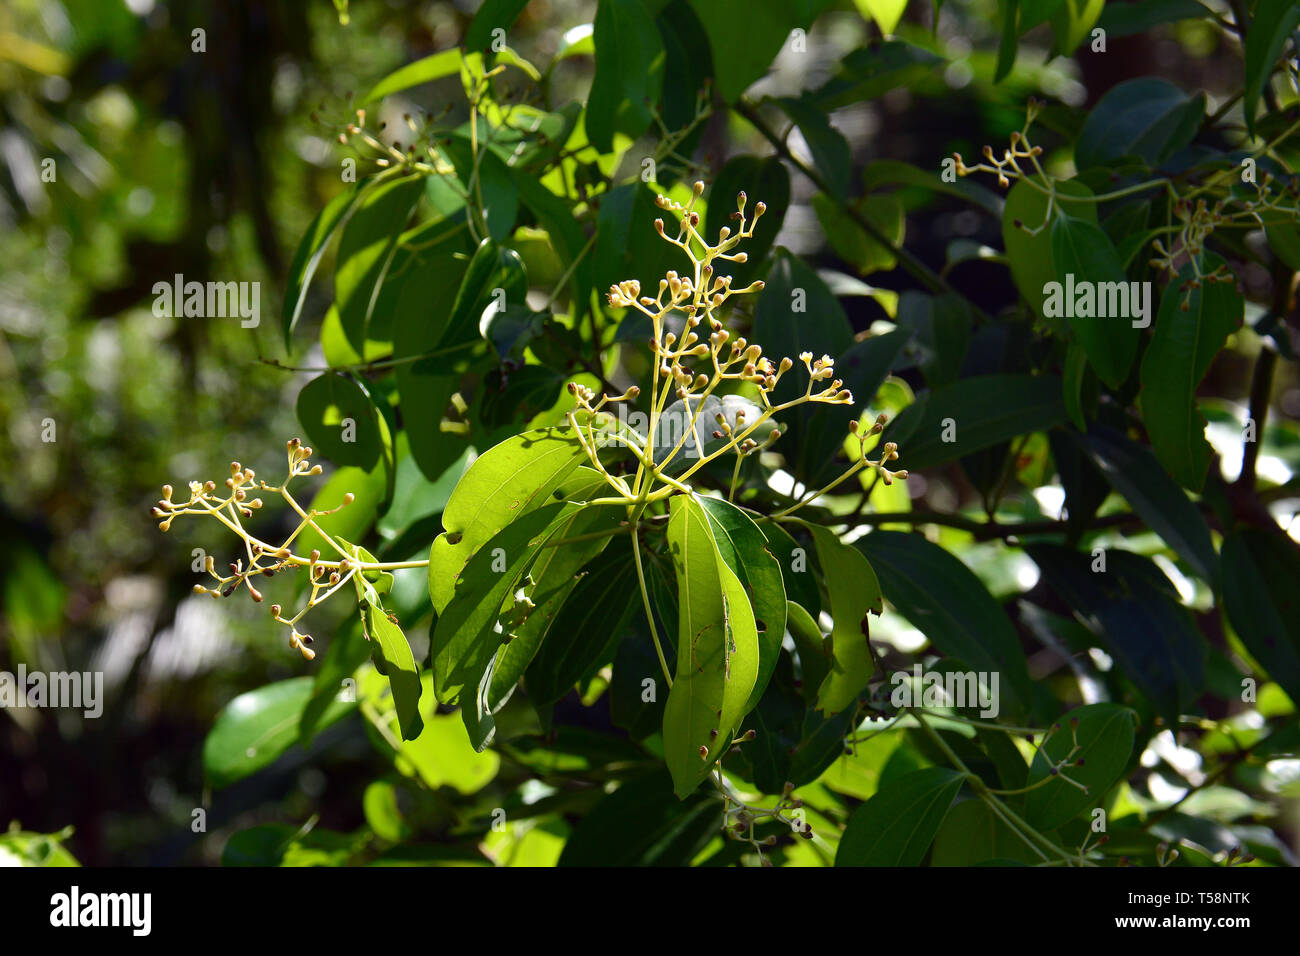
212, 165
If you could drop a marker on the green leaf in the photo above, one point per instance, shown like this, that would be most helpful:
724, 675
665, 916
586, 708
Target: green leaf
830, 150
1008, 17
744, 549
347, 651
366, 250
1273, 21
393, 659
973, 834
1030, 255
1181, 351
766, 25
762, 179
435, 67
1083, 253
854, 591
688, 67
257, 727
1072, 23
492, 15
557, 219
1133, 611
1148, 118
946, 602
851, 242
341, 421
467, 635
796, 571
1103, 740
440, 756
310, 250
869, 71
940, 326
975, 413
642, 824
489, 183
895, 827
556, 575
504, 483
894, 172
820, 430
627, 244
796, 312
886, 13
717, 650
426, 385
495, 279
1260, 571
350, 522
586, 631
1127, 19
629, 72
1136, 474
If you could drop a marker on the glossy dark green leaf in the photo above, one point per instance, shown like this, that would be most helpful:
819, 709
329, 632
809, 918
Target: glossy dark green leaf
1148, 118
490, 185
555, 574
495, 279
973, 834
940, 326
1127, 19
688, 67
766, 24
1103, 740
815, 441
761, 179
1273, 21
1008, 18
830, 150
341, 421
1260, 574
893, 172
872, 70
366, 250
491, 16
946, 602
1072, 23
744, 548
629, 72
717, 650
1135, 473
1181, 350
975, 413
310, 250
585, 633
796, 312
643, 824
1132, 609
1104, 314
896, 826
627, 244
257, 727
